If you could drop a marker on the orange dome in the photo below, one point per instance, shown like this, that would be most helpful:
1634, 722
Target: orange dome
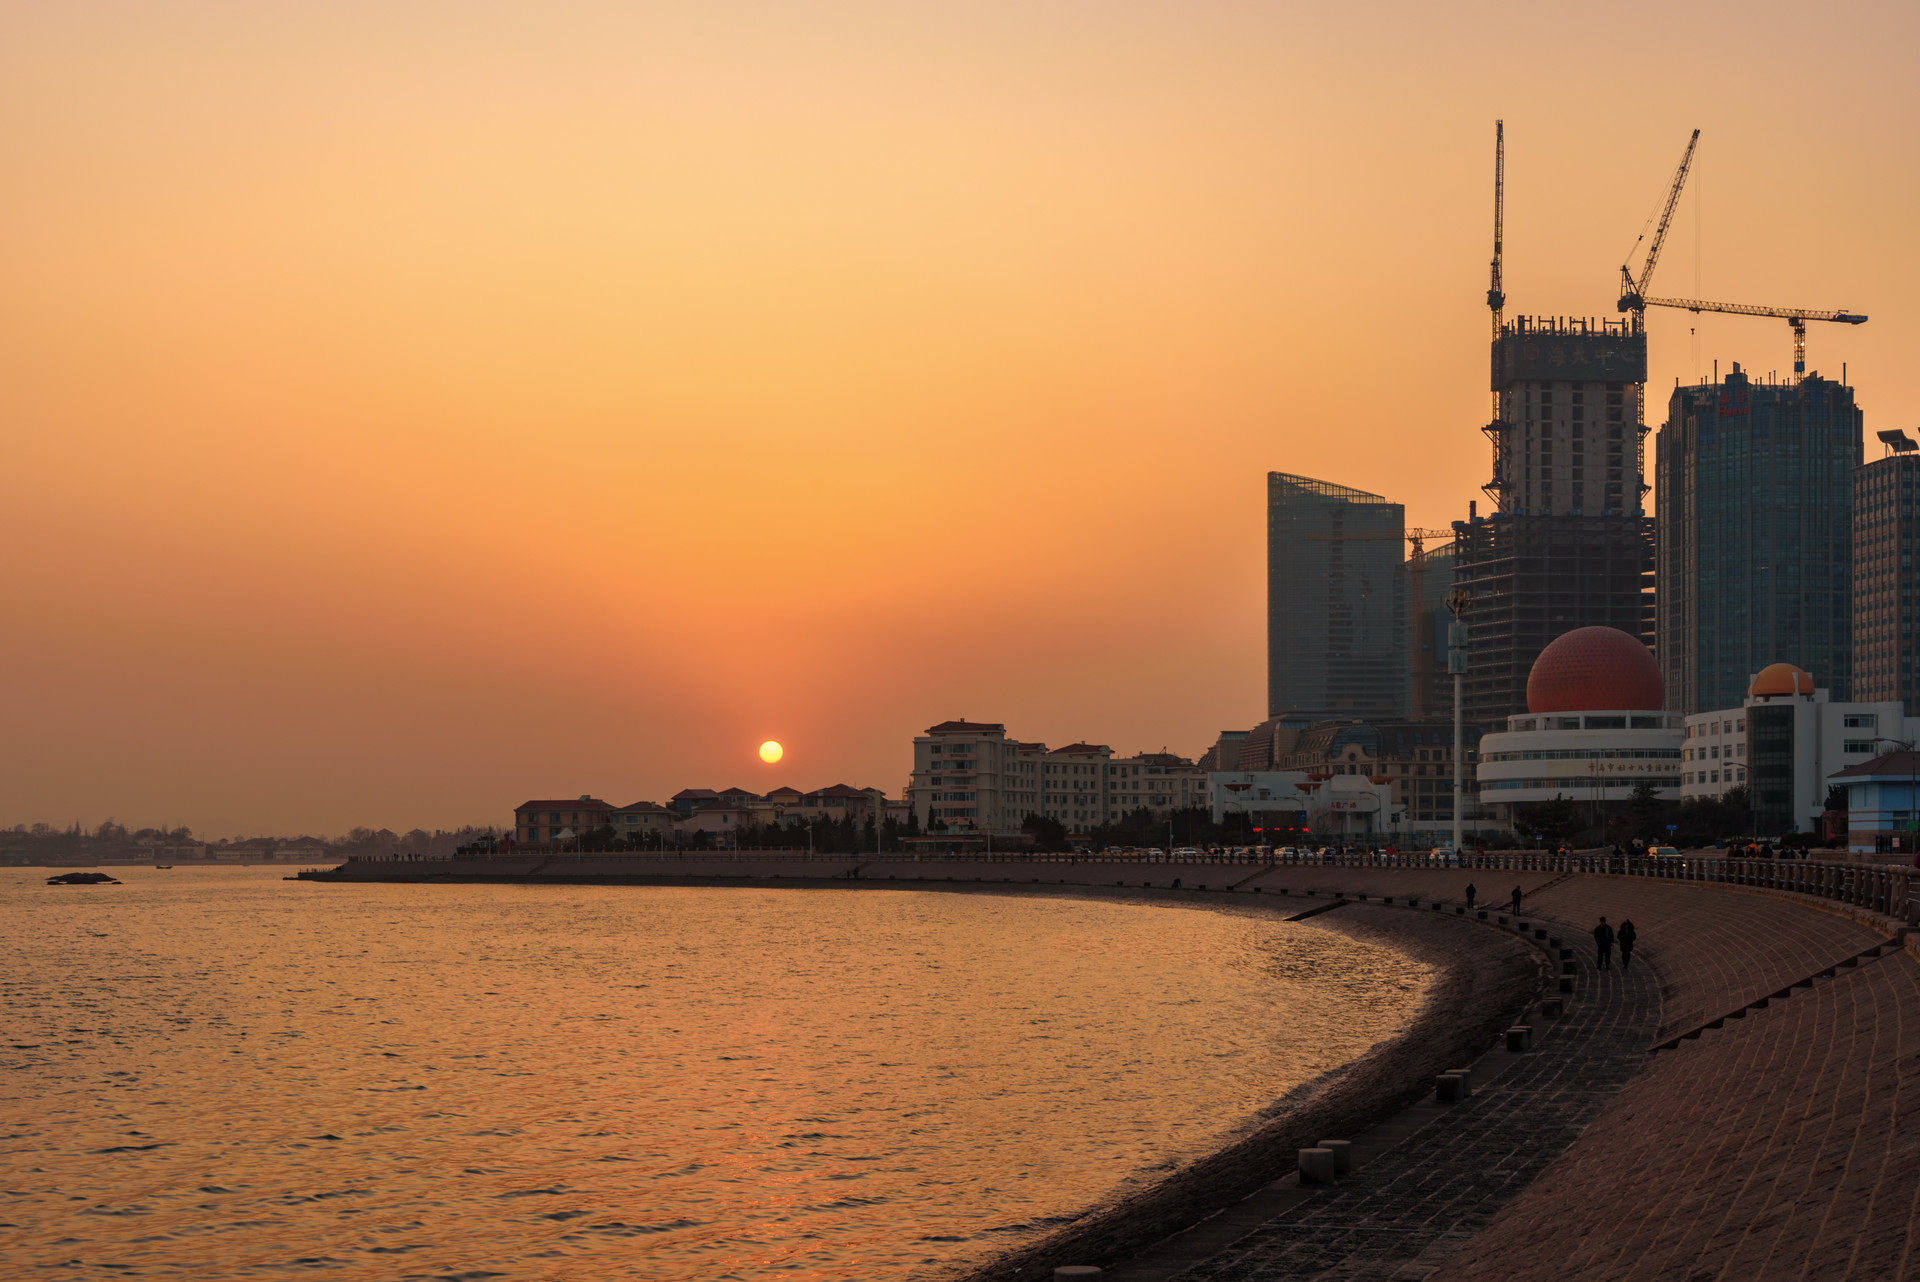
1595, 669
1781, 678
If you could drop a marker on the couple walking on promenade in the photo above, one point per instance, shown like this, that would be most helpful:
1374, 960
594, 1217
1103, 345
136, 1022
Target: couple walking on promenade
1604, 936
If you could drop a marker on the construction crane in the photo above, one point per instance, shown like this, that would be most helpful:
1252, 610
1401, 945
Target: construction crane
1497, 304
1496, 300
1794, 316
1633, 293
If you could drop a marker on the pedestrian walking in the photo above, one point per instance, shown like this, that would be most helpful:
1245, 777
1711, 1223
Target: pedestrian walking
1470, 894
1516, 901
1624, 936
1603, 944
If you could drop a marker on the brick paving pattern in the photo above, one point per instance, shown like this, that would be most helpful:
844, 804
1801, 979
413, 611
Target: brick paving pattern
1783, 1145
1405, 1212
1778, 1145
1716, 948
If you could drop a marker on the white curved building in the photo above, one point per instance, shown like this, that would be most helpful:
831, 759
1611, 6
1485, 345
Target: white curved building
1594, 730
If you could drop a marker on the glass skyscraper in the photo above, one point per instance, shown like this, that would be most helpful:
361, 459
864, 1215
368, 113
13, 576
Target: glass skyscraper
1337, 611
1754, 507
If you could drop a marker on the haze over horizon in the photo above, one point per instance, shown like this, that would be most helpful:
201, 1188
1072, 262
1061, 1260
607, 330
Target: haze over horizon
416, 409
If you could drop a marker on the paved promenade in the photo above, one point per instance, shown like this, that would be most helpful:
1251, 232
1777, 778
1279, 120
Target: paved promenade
1779, 1145
1402, 1214
1786, 1144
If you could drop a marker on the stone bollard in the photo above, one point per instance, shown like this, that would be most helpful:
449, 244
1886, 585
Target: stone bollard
1466, 1081
1552, 1007
1520, 1039
1446, 1088
1316, 1166
1075, 1271
1566, 983
1342, 1155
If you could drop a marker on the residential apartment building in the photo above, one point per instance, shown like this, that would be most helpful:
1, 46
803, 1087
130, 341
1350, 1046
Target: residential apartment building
1755, 513
1886, 528
1074, 785
963, 772
969, 775
1156, 781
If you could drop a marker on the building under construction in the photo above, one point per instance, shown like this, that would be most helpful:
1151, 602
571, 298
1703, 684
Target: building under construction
1568, 543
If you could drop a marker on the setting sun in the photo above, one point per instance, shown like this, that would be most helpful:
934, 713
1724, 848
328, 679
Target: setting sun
770, 752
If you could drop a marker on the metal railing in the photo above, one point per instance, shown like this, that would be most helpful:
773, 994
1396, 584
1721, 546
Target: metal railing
1880, 888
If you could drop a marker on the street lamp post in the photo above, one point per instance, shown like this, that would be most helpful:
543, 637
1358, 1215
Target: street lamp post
1457, 601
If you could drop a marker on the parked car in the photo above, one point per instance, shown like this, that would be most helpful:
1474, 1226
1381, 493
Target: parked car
1662, 852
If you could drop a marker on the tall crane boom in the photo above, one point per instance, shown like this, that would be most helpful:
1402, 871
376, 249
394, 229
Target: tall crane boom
1794, 316
1496, 300
1496, 303
1633, 293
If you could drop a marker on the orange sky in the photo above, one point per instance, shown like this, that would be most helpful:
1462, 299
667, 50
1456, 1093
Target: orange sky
414, 408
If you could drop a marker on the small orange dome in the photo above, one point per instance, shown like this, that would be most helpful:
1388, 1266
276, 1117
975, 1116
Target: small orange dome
1779, 679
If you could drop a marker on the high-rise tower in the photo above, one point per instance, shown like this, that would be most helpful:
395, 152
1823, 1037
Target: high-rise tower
1886, 535
1756, 536
1336, 601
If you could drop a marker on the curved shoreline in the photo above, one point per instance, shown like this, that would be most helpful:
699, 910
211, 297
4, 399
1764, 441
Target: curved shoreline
1475, 994
1483, 979
1735, 1103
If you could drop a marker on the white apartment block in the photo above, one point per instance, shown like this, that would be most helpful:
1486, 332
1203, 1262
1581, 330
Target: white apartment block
1156, 781
969, 775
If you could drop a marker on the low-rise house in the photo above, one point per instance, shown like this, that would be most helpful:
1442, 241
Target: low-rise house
721, 822
537, 822
687, 800
643, 820
1883, 804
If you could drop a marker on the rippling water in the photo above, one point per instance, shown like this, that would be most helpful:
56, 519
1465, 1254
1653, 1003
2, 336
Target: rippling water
220, 1074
